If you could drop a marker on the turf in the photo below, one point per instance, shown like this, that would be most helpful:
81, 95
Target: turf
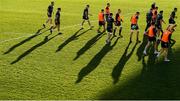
77, 64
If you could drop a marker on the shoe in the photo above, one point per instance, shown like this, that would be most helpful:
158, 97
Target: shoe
44, 25
144, 52
51, 31
114, 35
166, 60
130, 41
107, 42
120, 36
91, 27
138, 41
158, 54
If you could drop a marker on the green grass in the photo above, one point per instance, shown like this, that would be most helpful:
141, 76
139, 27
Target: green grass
78, 64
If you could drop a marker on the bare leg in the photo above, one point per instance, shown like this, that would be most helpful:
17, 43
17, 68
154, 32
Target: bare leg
131, 35
137, 37
82, 23
147, 46
120, 30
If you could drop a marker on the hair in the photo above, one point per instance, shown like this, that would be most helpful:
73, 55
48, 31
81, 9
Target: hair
161, 11
87, 5
102, 10
175, 8
59, 9
137, 12
111, 14
52, 2
156, 7
108, 3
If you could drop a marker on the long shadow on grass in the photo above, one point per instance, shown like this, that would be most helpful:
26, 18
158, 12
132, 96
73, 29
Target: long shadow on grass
95, 61
160, 81
70, 39
33, 48
88, 45
122, 62
140, 50
25, 40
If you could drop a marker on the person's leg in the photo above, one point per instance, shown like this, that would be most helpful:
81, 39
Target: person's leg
58, 27
114, 32
131, 35
166, 55
147, 46
155, 47
137, 37
82, 23
120, 30
98, 30
89, 23
51, 24
104, 28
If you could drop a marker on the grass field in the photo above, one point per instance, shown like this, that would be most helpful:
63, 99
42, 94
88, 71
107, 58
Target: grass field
78, 64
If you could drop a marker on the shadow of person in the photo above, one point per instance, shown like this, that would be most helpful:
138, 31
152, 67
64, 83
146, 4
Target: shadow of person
95, 61
88, 45
33, 48
25, 40
122, 62
150, 62
70, 39
140, 50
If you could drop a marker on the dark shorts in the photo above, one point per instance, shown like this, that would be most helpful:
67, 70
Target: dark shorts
109, 29
85, 18
152, 39
57, 22
49, 15
164, 44
159, 26
134, 27
117, 23
171, 21
101, 23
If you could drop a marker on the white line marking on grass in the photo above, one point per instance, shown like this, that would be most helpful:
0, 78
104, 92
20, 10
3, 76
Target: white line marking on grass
61, 29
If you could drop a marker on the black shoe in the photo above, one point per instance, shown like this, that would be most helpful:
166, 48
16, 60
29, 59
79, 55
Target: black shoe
120, 36
114, 35
59, 33
130, 41
44, 25
138, 41
51, 31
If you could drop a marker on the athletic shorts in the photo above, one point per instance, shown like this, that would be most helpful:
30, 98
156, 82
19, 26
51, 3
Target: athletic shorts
171, 21
152, 39
85, 18
134, 27
159, 26
101, 23
164, 44
117, 23
49, 14
57, 22
109, 29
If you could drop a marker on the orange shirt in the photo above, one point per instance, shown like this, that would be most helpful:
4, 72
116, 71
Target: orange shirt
151, 31
134, 19
101, 16
165, 36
